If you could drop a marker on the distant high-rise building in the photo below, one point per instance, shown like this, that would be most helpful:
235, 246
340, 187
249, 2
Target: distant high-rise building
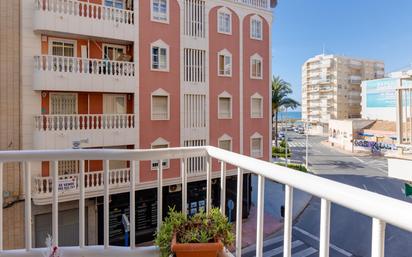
331, 86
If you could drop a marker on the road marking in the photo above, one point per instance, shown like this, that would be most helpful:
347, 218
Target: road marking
334, 247
252, 248
279, 250
305, 253
356, 158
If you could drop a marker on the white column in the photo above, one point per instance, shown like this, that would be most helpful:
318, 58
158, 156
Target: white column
260, 216
55, 205
324, 228
132, 204
106, 203
287, 227
27, 203
1, 207
222, 187
184, 184
208, 184
81, 205
159, 194
378, 238
239, 203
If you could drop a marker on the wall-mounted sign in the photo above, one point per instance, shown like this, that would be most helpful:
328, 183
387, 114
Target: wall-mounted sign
67, 184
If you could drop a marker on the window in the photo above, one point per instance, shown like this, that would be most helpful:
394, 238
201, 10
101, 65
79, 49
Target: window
225, 63
113, 52
160, 56
256, 106
256, 67
194, 15
224, 22
194, 63
225, 106
197, 164
158, 144
225, 142
160, 105
256, 149
114, 3
62, 47
160, 10
194, 110
114, 104
256, 27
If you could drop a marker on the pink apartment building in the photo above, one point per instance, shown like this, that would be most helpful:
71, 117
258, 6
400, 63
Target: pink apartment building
138, 74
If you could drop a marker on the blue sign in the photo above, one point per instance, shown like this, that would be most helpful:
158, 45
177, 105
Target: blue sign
381, 93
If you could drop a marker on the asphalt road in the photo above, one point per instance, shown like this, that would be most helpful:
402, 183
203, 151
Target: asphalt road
350, 231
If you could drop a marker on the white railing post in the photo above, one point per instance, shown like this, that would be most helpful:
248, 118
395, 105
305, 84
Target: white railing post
159, 194
184, 184
239, 203
55, 205
27, 207
260, 216
1, 206
106, 202
287, 227
132, 204
81, 205
222, 187
208, 183
378, 238
324, 228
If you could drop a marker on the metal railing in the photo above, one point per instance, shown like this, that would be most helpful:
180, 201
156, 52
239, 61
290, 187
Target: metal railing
86, 9
67, 122
76, 65
381, 209
264, 4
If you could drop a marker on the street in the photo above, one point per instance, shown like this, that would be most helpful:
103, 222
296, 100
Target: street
350, 231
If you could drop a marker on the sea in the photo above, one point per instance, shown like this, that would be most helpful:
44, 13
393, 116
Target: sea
289, 116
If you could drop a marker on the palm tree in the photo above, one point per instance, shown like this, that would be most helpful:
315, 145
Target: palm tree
280, 91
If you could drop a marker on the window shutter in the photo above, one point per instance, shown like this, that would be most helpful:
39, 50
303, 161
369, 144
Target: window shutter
256, 107
225, 144
160, 107
224, 107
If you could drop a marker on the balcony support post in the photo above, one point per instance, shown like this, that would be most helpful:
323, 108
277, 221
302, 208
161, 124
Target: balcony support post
287, 227
132, 204
159, 194
184, 184
55, 205
378, 238
27, 207
239, 203
208, 183
1, 206
260, 216
106, 182
324, 238
81, 205
222, 187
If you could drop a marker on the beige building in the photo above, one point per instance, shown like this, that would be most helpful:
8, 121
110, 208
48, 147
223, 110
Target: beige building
331, 86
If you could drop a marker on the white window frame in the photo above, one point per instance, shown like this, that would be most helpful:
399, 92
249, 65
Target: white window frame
224, 11
225, 95
160, 44
153, 16
224, 53
256, 135
61, 40
256, 96
160, 92
114, 46
123, 3
256, 57
252, 33
165, 163
225, 137
58, 93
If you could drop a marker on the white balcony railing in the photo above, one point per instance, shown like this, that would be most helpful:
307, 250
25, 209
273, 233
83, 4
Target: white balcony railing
264, 4
86, 9
77, 65
382, 209
43, 186
67, 122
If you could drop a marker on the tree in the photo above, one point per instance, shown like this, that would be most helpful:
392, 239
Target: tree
280, 91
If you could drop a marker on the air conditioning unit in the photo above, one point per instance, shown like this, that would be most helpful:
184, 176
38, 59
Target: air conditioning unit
175, 188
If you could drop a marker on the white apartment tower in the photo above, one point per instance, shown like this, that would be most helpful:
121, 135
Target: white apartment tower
331, 86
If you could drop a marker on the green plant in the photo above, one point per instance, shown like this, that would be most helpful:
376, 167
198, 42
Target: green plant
280, 152
200, 228
298, 167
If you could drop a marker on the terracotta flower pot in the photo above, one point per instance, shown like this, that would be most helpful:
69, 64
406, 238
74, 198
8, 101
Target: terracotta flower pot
196, 249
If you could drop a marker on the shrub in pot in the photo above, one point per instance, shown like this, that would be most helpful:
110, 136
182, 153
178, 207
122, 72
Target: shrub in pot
201, 235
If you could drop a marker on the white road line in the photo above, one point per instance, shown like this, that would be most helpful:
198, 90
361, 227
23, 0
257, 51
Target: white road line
279, 250
305, 253
356, 158
266, 243
334, 247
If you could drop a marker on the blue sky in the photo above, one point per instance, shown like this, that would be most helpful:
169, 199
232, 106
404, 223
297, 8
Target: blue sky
374, 29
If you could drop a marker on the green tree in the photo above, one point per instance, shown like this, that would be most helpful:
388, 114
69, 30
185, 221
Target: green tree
280, 91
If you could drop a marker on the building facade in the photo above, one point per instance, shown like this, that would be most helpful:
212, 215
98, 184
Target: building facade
129, 74
331, 86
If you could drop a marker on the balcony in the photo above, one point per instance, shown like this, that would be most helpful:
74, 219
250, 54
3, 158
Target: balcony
84, 18
261, 4
355, 64
60, 131
59, 73
381, 209
355, 79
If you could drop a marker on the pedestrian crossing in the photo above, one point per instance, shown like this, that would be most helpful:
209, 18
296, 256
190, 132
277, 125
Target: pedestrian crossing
274, 248
303, 244
298, 143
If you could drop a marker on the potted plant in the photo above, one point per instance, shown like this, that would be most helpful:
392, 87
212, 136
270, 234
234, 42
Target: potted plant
201, 235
